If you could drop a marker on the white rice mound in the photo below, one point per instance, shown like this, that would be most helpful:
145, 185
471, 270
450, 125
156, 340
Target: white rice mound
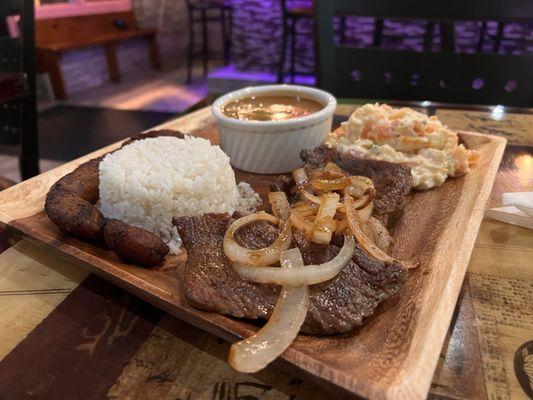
150, 181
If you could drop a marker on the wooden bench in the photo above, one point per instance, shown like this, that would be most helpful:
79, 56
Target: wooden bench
58, 35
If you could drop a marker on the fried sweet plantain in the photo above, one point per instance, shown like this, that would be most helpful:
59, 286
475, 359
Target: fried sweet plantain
135, 245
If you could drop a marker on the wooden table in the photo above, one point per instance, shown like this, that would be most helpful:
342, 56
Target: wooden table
69, 335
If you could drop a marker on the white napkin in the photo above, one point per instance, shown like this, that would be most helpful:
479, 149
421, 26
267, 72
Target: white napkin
517, 209
521, 200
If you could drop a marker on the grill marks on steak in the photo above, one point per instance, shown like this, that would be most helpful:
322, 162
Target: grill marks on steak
392, 181
337, 306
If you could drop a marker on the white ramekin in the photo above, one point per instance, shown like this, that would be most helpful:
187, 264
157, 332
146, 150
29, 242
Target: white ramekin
273, 147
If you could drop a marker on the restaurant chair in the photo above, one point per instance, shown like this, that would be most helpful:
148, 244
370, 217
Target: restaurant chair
447, 35
290, 17
409, 75
200, 13
499, 36
18, 106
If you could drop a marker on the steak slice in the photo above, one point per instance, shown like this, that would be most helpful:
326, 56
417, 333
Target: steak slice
392, 181
338, 305
209, 281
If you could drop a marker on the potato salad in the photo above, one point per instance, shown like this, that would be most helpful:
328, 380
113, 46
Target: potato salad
406, 136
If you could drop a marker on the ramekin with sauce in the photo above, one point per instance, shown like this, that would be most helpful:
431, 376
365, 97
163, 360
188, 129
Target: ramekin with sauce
264, 128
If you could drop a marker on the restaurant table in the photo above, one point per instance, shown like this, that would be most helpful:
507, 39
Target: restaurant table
71, 335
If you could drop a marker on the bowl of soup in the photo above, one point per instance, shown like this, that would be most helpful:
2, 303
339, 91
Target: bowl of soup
263, 129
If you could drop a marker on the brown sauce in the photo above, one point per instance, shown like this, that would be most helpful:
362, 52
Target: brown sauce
271, 108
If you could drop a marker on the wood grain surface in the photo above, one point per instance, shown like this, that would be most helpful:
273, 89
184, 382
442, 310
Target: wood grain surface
395, 353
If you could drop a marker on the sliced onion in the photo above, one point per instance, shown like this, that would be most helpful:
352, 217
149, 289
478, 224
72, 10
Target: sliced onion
366, 230
359, 186
280, 205
328, 205
366, 212
333, 168
308, 196
359, 203
307, 275
380, 234
300, 177
306, 223
306, 209
315, 173
324, 223
363, 201
343, 225
261, 257
255, 353
355, 223
364, 205
302, 222
330, 184
323, 230
362, 182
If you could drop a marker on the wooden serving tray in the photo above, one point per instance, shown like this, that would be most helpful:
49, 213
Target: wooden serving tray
394, 354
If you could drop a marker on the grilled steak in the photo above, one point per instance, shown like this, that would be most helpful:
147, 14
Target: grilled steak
338, 305
392, 181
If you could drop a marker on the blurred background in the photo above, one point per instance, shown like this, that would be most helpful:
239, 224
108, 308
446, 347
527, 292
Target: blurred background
76, 75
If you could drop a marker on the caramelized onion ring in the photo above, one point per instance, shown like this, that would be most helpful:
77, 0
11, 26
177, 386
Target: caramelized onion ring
261, 257
307, 275
255, 353
355, 223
